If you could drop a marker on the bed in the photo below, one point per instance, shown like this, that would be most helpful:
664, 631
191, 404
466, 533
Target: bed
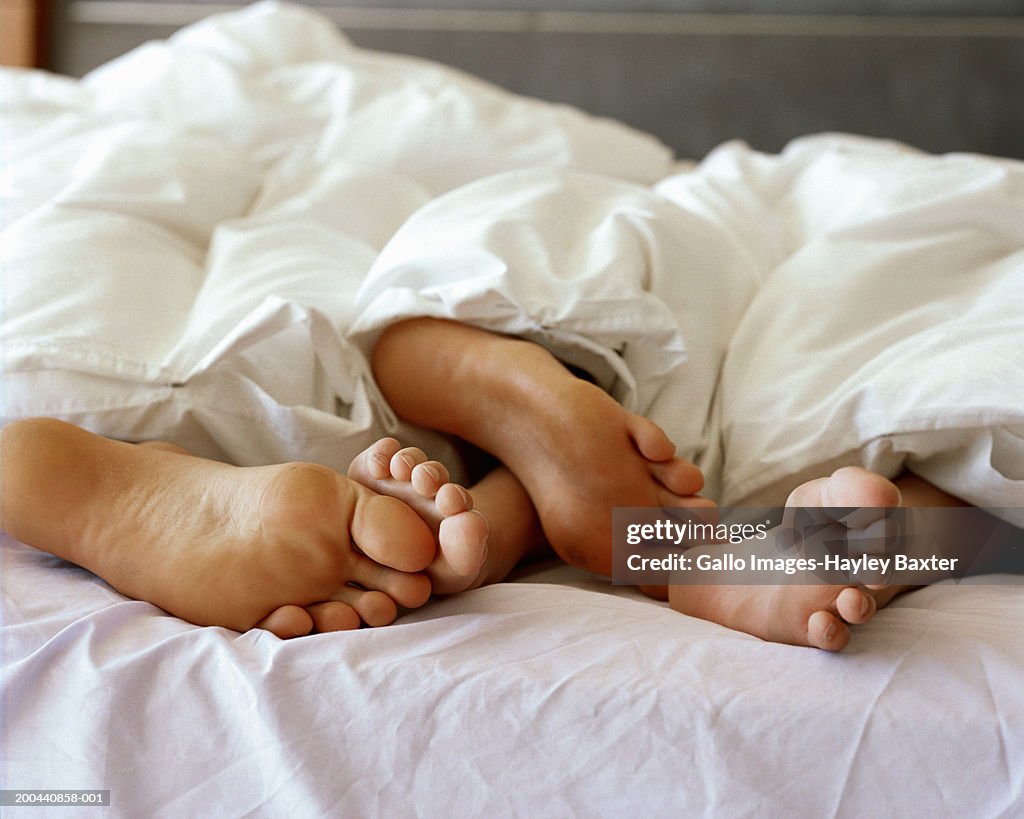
202, 240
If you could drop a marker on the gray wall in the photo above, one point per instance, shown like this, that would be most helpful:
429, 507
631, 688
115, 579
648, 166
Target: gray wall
944, 75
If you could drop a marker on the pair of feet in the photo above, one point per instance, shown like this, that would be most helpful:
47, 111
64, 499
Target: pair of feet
577, 453
292, 548
297, 548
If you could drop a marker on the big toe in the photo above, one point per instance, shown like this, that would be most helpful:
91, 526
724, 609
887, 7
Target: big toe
462, 553
463, 541
848, 486
390, 532
854, 486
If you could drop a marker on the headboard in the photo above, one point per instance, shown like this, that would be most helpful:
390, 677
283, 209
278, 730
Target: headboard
944, 75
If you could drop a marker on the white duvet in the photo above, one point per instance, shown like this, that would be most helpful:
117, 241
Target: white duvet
201, 241
186, 233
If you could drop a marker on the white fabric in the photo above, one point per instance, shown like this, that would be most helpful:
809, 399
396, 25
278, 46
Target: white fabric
849, 301
611, 276
890, 330
185, 235
184, 231
544, 698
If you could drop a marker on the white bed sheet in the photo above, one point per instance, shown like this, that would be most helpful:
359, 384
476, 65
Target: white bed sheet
558, 695
292, 172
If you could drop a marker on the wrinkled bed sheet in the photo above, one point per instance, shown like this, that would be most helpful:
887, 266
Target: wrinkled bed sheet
554, 697
201, 241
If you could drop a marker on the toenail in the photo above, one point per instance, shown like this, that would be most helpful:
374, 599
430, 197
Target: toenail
431, 471
865, 607
830, 633
380, 465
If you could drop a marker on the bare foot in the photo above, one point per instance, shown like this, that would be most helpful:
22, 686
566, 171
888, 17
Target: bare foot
291, 548
482, 532
809, 615
576, 451
445, 507
589, 455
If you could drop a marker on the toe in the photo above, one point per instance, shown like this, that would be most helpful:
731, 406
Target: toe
670, 500
855, 605
848, 486
650, 439
826, 631
391, 533
373, 607
405, 461
678, 476
452, 499
855, 486
333, 615
409, 590
655, 592
463, 541
287, 622
373, 463
429, 477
